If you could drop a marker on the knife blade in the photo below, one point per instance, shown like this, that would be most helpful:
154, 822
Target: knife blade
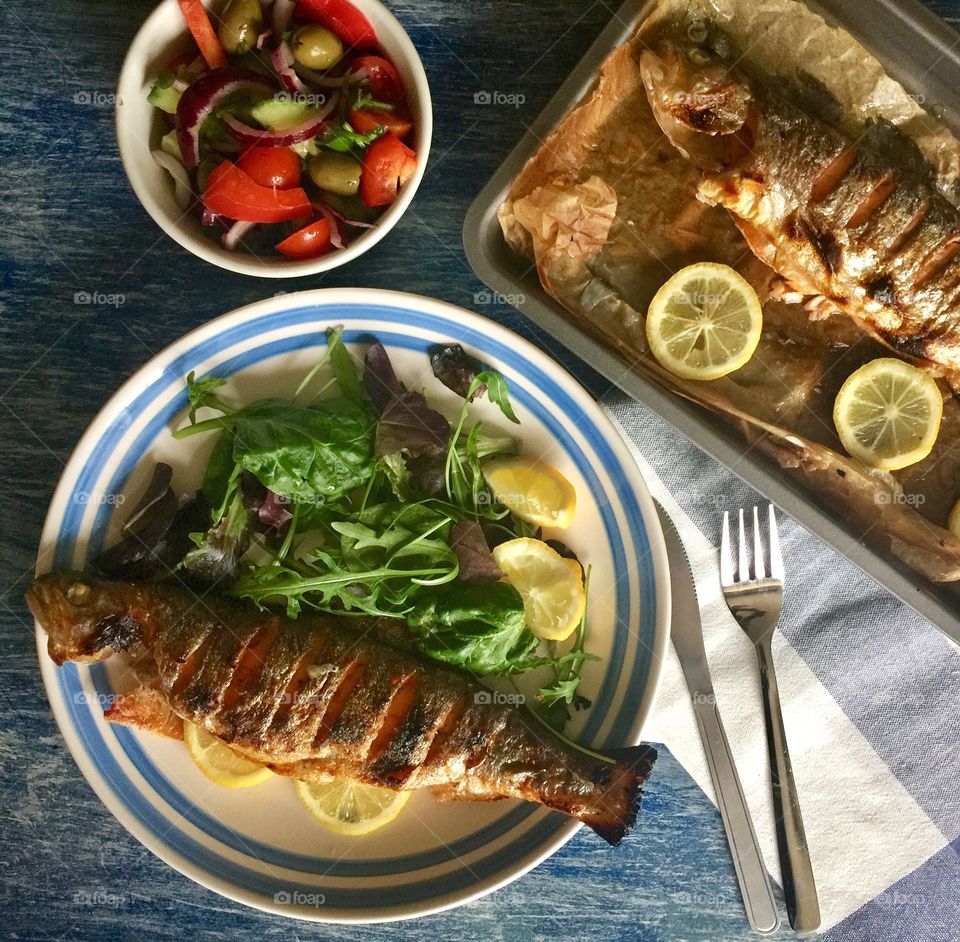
686, 632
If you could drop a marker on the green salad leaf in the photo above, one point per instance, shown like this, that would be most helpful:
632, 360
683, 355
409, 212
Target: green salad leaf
477, 627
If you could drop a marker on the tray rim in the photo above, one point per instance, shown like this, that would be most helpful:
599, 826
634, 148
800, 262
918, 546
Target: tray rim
689, 420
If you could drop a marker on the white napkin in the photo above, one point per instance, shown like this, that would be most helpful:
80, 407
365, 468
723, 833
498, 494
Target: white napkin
864, 830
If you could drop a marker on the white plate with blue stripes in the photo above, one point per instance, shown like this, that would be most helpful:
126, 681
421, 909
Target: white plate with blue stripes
260, 846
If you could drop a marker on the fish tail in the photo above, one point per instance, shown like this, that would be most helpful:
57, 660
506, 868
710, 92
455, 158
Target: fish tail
616, 809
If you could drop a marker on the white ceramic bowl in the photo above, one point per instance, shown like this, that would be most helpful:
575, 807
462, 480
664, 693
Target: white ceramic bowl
139, 129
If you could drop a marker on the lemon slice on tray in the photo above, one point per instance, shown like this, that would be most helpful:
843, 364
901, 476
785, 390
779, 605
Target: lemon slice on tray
551, 586
219, 762
705, 322
533, 490
349, 807
888, 414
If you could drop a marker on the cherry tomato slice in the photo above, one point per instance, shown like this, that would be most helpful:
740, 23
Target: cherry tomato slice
271, 166
230, 192
308, 242
203, 33
387, 164
365, 121
383, 80
343, 18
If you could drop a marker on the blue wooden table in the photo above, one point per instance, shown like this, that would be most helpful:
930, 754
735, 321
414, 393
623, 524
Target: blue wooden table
90, 289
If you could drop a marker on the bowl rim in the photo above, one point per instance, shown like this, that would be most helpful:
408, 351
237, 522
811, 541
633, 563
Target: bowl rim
326, 297
129, 90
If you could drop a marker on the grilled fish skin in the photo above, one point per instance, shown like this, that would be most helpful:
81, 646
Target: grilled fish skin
858, 221
324, 696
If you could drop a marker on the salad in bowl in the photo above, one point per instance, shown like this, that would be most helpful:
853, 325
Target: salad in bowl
285, 132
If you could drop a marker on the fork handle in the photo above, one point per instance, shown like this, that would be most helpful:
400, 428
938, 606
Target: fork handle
744, 848
799, 887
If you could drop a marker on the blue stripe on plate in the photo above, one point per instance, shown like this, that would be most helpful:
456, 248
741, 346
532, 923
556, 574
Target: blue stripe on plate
547, 412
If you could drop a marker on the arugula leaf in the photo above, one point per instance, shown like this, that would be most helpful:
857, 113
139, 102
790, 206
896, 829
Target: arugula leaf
200, 393
554, 699
497, 392
477, 627
344, 139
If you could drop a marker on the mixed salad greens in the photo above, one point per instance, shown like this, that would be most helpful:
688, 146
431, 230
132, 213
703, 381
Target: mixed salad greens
358, 498
287, 124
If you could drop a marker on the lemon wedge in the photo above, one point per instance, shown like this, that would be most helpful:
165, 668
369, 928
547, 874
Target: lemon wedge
219, 762
533, 490
705, 322
349, 807
551, 586
888, 414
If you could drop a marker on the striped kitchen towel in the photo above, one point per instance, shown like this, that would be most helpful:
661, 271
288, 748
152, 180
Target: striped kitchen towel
870, 698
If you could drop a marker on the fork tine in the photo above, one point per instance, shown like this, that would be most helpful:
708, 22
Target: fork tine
743, 567
776, 560
758, 569
726, 557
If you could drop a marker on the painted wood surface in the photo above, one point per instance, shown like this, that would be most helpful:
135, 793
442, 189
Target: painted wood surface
73, 231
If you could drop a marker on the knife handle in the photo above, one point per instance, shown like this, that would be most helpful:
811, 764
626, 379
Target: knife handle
751, 872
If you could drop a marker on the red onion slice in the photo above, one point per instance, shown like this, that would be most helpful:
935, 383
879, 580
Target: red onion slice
282, 60
182, 190
264, 38
284, 137
351, 222
336, 237
231, 238
199, 100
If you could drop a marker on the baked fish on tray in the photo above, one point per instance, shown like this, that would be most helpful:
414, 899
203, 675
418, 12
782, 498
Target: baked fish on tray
717, 135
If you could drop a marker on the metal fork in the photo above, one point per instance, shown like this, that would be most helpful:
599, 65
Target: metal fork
755, 603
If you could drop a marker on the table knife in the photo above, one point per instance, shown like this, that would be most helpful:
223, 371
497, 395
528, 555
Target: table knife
687, 635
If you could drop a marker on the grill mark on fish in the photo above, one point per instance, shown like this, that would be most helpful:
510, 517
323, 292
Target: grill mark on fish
871, 203
827, 181
397, 717
359, 708
248, 665
185, 670
202, 694
349, 677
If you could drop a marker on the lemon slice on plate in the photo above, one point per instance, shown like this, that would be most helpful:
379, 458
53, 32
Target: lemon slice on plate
888, 414
219, 762
349, 807
704, 322
533, 490
551, 586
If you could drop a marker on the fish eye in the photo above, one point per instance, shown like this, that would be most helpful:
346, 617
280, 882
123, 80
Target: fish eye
78, 593
698, 31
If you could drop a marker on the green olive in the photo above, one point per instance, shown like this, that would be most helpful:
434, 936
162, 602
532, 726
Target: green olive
316, 47
240, 25
338, 173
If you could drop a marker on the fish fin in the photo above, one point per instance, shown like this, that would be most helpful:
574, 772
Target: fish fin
621, 800
145, 708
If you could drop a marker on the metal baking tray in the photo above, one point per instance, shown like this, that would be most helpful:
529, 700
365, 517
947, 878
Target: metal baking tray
921, 52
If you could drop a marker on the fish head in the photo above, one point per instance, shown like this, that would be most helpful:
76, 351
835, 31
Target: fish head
85, 619
702, 103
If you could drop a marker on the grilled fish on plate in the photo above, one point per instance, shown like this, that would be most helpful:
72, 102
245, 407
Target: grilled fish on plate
323, 696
